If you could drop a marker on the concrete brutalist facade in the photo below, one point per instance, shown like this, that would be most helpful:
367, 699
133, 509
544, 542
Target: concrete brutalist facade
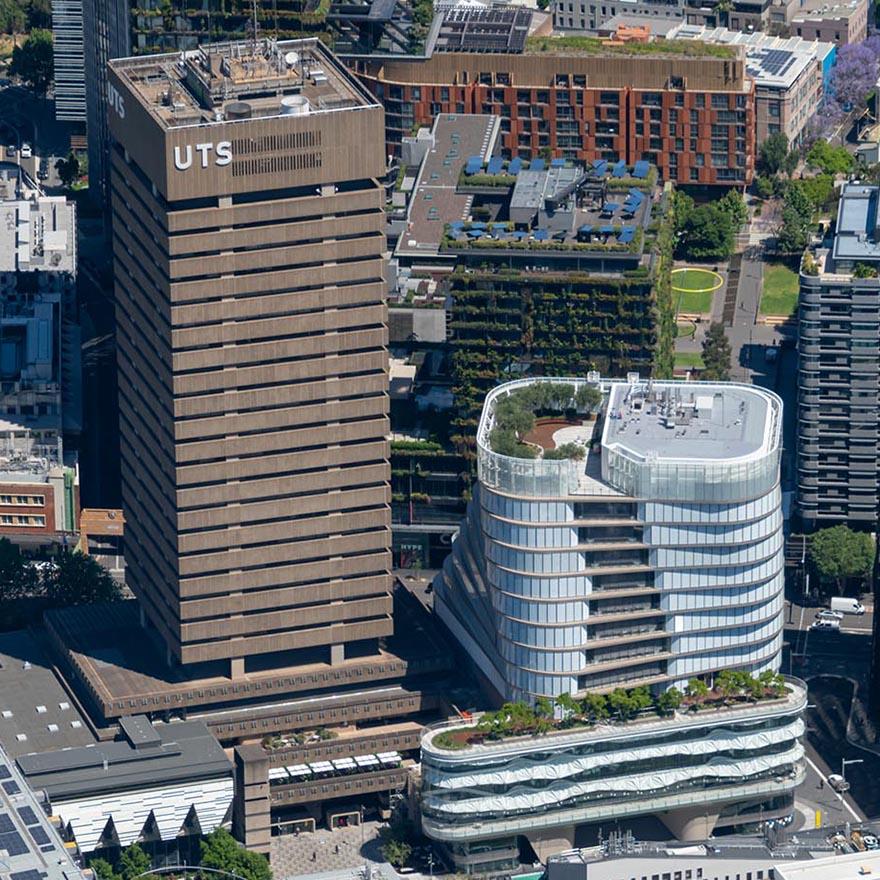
248, 241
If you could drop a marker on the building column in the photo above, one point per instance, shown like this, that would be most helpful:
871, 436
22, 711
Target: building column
690, 823
251, 806
337, 654
551, 841
236, 667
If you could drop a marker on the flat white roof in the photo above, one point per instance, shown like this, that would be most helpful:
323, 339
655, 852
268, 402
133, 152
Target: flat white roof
851, 866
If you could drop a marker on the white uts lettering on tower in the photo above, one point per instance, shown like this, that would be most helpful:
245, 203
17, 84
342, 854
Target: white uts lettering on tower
114, 99
183, 156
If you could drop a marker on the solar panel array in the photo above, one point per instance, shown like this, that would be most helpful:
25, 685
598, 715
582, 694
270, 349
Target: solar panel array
777, 61
484, 30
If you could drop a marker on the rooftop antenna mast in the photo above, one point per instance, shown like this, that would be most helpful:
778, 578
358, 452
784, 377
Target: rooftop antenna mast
253, 40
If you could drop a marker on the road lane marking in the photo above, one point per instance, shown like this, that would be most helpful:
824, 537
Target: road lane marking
842, 799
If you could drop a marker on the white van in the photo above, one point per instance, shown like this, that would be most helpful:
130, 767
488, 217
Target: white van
846, 605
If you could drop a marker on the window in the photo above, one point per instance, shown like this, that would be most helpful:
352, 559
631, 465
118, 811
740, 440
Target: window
719, 102
700, 100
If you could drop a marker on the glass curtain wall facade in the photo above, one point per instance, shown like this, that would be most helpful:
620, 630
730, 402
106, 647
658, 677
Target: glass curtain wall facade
652, 560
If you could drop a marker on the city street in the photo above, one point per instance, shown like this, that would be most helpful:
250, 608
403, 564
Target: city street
833, 664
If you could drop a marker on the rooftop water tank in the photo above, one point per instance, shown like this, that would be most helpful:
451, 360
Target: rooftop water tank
239, 110
295, 105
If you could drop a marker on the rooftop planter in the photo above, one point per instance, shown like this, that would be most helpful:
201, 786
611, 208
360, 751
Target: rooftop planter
731, 688
515, 414
596, 46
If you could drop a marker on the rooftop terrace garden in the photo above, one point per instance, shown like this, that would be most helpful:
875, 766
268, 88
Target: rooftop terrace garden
596, 46
503, 235
730, 688
517, 413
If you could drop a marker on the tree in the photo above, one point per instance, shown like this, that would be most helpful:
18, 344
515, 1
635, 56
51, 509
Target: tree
12, 17
839, 553
727, 684
544, 707
716, 353
39, 14
669, 701
220, 850
831, 160
567, 706
77, 579
623, 703
818, 190
764, 187
396, 852
733, 204
697, 689
68, 169
641, 699
17, 576
133, 862
772, 154
33, 62
103, 870
793, 234
855, 74
722, 9
864, 270
706, 233
595, 706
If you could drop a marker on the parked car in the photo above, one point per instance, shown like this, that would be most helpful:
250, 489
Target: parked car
828, 614
26, 151
828, 626
847, 605
770, 354
837, 782
10, 151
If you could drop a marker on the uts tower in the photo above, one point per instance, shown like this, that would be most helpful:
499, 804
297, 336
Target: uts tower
248, 240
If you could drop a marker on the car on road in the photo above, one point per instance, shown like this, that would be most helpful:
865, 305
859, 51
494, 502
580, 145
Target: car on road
26, 151
847, 605
828, 614
10, 151
837, 782
770, 354
828, 626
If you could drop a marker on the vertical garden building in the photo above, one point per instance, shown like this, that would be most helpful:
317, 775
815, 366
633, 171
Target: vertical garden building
627, 535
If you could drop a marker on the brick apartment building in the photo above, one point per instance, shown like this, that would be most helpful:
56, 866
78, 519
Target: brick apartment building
691, 115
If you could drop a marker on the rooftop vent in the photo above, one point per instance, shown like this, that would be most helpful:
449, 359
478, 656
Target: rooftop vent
239, 110
295, 105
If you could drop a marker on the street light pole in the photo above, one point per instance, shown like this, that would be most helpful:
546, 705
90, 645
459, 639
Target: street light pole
843, 765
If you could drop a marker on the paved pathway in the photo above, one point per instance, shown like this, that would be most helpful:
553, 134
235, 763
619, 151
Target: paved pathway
323, 850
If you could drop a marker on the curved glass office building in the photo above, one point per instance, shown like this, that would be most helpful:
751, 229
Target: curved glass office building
652, 556
695, 772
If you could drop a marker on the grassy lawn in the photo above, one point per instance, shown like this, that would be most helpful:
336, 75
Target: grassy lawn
780, 293
691, 303
694, 289
688, 359
686, 330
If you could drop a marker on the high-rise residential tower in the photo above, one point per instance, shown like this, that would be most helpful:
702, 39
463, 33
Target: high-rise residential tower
248, 237
838, 369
